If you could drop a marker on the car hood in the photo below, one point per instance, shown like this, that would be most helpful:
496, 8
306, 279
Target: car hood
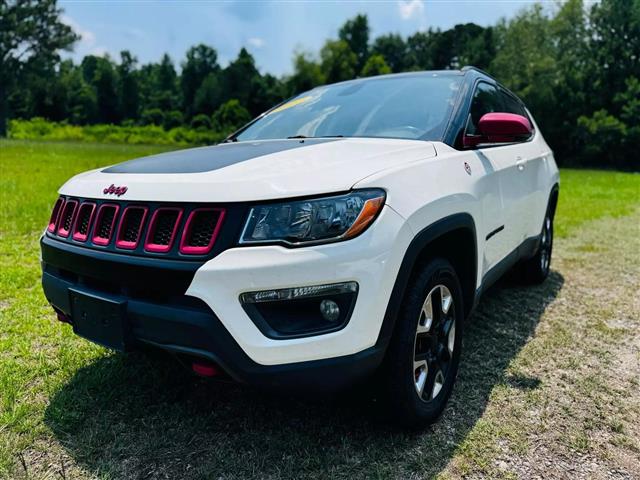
247, 171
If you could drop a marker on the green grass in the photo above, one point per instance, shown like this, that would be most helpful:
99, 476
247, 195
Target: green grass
591, 194
35, 355
537, 366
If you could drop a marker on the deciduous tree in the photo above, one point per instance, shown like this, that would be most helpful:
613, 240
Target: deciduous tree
31, 32
338, 61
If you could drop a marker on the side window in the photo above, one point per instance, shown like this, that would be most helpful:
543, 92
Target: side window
511, 105
486, 99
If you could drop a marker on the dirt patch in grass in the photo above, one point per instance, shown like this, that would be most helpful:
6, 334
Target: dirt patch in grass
582, 419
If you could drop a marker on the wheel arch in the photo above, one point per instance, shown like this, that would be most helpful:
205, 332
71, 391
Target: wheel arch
453, 238
553, 199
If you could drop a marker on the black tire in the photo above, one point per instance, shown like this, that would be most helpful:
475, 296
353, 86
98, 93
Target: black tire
402, 376
536, 269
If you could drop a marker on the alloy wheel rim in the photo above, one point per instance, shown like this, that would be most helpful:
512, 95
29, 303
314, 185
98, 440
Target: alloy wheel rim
545, 245
434, 343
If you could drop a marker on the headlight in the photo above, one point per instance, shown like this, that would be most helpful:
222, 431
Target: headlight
312, 221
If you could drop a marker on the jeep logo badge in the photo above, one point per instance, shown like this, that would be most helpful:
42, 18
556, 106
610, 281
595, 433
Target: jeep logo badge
113, 190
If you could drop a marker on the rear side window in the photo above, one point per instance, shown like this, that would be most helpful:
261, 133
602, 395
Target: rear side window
486, 99
511, 105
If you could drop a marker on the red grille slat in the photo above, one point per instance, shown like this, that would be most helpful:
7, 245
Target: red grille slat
55, 215
130, 228
152, 228
105, 223
201, 230
67, 217
162, 229
83, 221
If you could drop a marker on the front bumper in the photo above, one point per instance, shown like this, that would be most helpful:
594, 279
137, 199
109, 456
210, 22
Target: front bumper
193, 308
192, 329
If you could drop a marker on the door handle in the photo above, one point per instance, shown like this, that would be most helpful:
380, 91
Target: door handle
520, 163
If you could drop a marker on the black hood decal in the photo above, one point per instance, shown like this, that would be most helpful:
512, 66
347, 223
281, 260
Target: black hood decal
206, 159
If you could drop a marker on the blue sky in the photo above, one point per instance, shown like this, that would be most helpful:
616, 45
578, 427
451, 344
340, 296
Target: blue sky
270, 30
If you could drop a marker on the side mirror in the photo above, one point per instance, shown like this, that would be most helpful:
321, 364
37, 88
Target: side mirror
499, 127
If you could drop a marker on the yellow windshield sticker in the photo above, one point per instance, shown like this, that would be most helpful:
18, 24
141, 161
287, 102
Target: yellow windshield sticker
292, 103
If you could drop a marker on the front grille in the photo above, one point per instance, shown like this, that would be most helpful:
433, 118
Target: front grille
83, 222
165, 224
201, 230
131, 227
162, 230
55, 215
150, 228
105, 222
67, 217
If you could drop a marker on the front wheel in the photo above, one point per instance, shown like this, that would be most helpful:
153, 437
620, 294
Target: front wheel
423, 356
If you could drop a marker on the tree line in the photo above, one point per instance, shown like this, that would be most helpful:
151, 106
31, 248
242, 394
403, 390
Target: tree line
576, 67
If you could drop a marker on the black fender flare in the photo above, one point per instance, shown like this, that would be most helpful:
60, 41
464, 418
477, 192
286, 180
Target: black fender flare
416, 247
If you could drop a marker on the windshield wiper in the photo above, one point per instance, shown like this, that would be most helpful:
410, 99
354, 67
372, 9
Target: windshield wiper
322, 136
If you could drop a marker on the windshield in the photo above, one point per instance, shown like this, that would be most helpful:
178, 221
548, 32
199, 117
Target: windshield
406, 106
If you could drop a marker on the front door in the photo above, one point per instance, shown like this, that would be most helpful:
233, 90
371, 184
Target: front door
502, 232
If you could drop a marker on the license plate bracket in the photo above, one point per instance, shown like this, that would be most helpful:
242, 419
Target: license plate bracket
100, 320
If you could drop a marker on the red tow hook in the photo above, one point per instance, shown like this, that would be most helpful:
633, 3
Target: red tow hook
62, 317
205, 369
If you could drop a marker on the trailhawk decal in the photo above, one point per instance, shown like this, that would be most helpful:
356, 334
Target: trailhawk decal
206, 159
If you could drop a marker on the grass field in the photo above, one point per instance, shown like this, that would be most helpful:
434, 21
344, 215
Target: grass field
549, 384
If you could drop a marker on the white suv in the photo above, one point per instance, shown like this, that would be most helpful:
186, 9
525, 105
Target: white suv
347, 231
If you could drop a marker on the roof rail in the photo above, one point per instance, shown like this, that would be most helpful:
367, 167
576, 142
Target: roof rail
466, 68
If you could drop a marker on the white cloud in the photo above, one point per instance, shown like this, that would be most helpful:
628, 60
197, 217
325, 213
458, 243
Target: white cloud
256, 42
87, 37
99, 51
410, 8
86, 45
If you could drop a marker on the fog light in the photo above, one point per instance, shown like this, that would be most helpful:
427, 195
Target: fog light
329, 310
301, 311
299, 292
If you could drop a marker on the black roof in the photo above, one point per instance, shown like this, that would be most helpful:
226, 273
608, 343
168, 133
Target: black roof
464, 71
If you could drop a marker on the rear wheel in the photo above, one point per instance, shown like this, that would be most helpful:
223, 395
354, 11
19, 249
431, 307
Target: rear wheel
536, 269
423, 357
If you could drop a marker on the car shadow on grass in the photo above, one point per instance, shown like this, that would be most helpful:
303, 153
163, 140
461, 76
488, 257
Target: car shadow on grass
128, 416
